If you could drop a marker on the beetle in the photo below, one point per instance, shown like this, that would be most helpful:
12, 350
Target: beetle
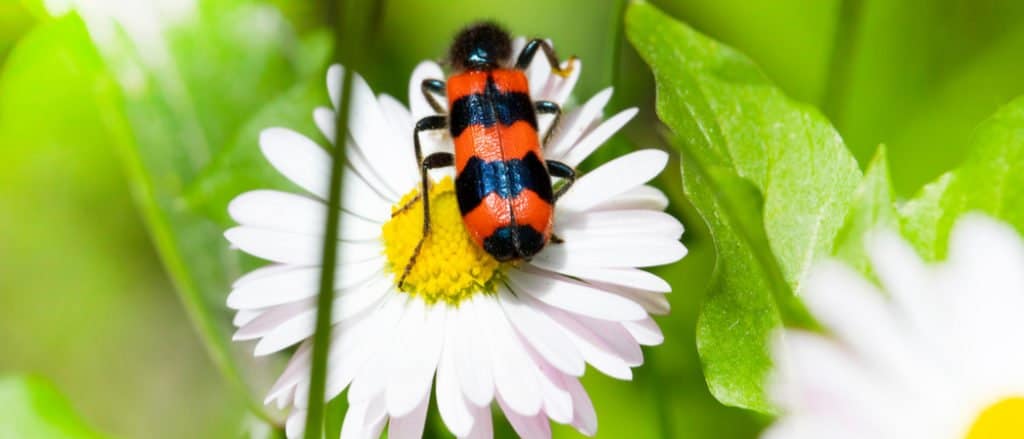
503, 184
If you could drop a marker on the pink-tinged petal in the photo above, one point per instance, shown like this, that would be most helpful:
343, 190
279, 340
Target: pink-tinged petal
418, 354
296, 370
527, 426
272, 318
543, 335
364, 420
615, 337
640, 197
298, 158
574, 124
515, 374
473, 353
595, 351
614, 178
584, 416
595, 138
420, 107
482, 425
450, 402
409, 426
557, 400
645, 332
571, 295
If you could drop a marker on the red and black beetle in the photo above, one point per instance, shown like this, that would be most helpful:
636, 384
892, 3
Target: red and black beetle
502, 182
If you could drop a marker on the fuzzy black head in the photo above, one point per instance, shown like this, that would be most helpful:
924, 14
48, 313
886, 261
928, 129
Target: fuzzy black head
480, 46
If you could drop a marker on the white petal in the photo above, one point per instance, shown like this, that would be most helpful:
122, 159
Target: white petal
297, 369
297, 249
372, 380
296, 424
297, 158
586, 146
334, 77
615, 337
398, 117
420, 107
377, 141
409, 426
559, 88
298, 284
618, 223
359, 198
345, 306
351, 349
584, 417
645, 332
288, 212
574, 296
364, 420
594, 349
654, 303
245, 316
416, 360
271, 318
261, 272
612, 251
542, 334
557, 400
641, 197
326, 121
450, 403
472, 353
515, 375
626, 277
527, 426
614, 178
482, 426
575, 123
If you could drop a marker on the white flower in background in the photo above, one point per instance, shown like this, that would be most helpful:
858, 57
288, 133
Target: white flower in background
937, 354
516, 334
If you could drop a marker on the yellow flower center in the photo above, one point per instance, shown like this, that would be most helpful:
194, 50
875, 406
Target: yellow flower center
1002, 420
449, 266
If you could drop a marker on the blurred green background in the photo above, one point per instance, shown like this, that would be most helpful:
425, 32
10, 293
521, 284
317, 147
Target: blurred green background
96, 94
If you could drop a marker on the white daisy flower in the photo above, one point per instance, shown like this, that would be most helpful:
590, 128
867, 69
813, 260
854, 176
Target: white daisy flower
936, 354
519, 334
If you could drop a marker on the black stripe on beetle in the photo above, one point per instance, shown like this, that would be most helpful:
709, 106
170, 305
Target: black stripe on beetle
506, 178
490, 107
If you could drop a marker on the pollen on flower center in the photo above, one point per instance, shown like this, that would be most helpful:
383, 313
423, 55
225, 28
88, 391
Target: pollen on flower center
1002, 420
450, 266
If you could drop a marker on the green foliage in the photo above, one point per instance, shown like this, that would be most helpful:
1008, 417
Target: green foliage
33, 408
872, 207
182, 111
771, 178
990, 181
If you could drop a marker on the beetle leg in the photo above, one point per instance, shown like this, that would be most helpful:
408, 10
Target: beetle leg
548, 107
526, 56
435, 160
562, 170
432, 88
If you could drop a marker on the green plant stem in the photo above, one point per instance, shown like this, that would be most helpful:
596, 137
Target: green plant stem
325, 297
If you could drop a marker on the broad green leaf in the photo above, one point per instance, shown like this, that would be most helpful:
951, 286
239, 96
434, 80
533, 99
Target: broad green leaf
771, 178
872, 208
182, 109
990, 181
32, 408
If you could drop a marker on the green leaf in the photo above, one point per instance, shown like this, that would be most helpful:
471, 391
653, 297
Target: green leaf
872, 208
990, 181
183, 109
771, 178
32, 408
